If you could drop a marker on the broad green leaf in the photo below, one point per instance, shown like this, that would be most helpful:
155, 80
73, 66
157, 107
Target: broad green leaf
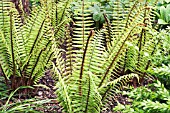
102, 20
161, 21
97, 7
162, 12
167, 16
97, 16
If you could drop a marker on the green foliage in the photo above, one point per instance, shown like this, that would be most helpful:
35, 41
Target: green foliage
164, 17
3, 90
25, 49
161, 59
162, 12
10, 104
98, 63
163, 74
155, 99
25, 106
99, 9
90, 65
162, 55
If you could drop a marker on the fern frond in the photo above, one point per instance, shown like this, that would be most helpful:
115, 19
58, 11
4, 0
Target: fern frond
5, 58
83, 25
19, 38
63, 92
62, 10
132, 25
26, 47
5, 48
93, 101
90, 74
69, 52
108, 91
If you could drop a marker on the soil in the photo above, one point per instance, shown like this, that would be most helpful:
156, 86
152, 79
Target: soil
48, 92
40, 93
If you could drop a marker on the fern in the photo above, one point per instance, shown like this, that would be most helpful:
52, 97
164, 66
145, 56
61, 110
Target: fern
91, 68
5, 33
26, 47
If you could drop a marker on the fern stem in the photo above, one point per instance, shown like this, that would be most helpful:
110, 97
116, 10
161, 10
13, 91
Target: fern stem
82, 64
12, 48
39, 58
105, 93
88, 96
108, 27
3, 74
130, 12
39, 31
48, 53
56, 13
49, 59
125, 60
149, 61
114, 59
143, 33
69, 48
3, 20
64, 11
36, 63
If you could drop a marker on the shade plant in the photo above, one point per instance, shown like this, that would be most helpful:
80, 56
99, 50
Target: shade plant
161, 59
97, 63
25, 50
154, 98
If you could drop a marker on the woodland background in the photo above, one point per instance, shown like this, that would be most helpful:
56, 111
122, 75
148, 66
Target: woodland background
84, 56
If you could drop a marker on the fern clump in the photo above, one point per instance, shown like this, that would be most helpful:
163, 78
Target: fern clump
100, 62
25, 50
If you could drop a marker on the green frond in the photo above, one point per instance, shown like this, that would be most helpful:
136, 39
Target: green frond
5, 58
25, 47
59, 61
130, 57
62, 10
41, 53
135, 23
5, 48
109, 90
19, 38
83, 24
58, 12
88, 81
95, 56
93, 99
69, 52
63, 92
90, 73
34, 27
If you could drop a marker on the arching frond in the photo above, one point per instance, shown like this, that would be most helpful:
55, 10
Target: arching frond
5, 34
91, 68
26, 47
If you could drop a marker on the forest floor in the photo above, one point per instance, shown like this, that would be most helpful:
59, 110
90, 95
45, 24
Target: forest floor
54, 107
48, 92
44, 91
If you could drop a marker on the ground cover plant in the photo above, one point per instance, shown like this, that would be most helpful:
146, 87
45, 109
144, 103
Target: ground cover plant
147, 100
91, 52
